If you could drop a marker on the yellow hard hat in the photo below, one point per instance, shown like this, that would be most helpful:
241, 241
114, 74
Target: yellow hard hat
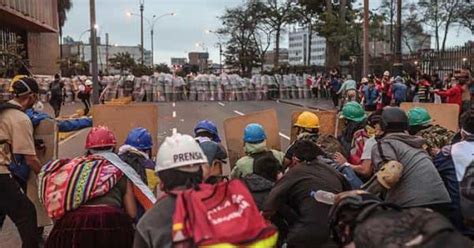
307, 120
17, 77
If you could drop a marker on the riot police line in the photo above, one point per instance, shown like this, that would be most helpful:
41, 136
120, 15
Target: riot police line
163, 87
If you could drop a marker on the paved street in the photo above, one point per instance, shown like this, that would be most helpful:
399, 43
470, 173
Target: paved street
182, 116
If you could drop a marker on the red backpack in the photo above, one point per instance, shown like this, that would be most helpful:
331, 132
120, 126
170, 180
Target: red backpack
221, 214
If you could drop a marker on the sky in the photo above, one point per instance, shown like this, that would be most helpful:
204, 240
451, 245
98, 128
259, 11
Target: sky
174, 36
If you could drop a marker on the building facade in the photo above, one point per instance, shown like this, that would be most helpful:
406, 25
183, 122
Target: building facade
178, 61
29, 28
72, 48
270, 57
298, 48
200, 59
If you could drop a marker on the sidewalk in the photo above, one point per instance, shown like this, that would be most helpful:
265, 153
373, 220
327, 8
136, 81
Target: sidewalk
311, 103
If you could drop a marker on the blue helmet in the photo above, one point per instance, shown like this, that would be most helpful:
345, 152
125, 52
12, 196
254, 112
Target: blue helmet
254, 133
208, 126
139, 138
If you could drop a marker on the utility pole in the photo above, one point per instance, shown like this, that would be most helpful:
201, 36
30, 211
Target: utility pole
107, 53
397, 65
365, 69
142, 2
95, 78
220, 57
152, 49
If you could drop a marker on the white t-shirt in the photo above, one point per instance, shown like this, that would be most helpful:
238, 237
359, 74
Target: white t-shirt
367, 152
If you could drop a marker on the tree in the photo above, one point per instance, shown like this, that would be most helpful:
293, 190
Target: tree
141, 70
244, 30
63, 7
162, 68
441, 16
13, 58
276, 15
122, 62
332, 20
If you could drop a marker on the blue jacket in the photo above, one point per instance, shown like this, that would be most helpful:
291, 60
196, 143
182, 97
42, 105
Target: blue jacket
399, 91
370, 95
335, 84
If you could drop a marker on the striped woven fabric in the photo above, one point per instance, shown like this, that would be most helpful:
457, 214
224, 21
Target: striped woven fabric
65, 185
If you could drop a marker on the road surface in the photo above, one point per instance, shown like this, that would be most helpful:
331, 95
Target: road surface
180, 117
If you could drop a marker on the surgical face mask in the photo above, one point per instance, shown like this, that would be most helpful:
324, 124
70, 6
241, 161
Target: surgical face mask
38, 106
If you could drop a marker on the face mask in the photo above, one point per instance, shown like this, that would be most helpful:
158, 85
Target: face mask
38, 106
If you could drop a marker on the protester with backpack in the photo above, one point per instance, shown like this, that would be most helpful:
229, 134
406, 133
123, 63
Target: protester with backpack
267, 172
92, 198
137, 153
194, 214
85, 91
435, 136
365, 168
207, 136
255, 146
308, 223
361, 220
56, 97
354, 134
179, 166
16, 137
454, 163
403, 168
307, 128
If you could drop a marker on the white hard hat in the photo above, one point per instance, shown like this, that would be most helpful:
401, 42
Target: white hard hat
88, 82
365, 80
386, 73
179, 151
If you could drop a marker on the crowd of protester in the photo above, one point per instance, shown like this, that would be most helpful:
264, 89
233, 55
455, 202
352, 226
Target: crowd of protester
385, 181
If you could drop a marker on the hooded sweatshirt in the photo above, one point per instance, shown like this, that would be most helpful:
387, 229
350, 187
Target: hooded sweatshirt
244, 166
420, 183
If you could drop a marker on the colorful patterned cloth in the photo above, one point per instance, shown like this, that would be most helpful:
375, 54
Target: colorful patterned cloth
65, 185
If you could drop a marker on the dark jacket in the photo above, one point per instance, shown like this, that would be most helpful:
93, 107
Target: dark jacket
259, 187
155, 227
309, 228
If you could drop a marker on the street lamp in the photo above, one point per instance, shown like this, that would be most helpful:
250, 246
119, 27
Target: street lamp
151, 23
203, 46
219, 45
96, 27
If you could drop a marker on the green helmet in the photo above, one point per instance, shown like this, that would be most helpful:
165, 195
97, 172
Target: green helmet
418, 117
353, 111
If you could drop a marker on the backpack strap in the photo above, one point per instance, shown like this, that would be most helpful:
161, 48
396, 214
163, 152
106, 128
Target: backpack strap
382, 155
5, 106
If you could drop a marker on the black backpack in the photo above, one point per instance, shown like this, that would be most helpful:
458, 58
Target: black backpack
260, 155
386, 225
